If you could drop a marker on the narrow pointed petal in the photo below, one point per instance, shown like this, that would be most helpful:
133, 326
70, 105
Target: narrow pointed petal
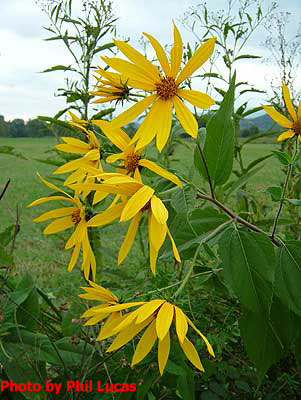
127, 335
52, 186
59, 225
163, 352
181, 324
149, 127
116, 135
148, 309
288, 101
186, 118
192, 354
129, 239
277, 117
74, 257
153, 255
164, 123
92, 155
89, 261
67, 148
159, 210
50, 198
76, 176
164, 319
129, 320
160, 171
60, 212
197, 60
136, 202
96, 319
105, 99
76, 236
98, 196
174, 247
157, 233
76, 143
209, 347
196, 98
70, 166
137, 58
107, 216
133, 112
145, 344
286, 135
160, 54
176, 52
299, 111
115, 157
107, 329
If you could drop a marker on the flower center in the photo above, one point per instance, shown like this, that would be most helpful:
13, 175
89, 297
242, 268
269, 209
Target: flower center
167, 88
76, 217
131, 161
297, 127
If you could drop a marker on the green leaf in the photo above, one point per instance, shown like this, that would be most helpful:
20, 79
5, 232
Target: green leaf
275, 192
59, 68
251, 111
219, 143
295, 202
147, 384
7, 235
249, 266
246, 56
288, 273
242, 180
6, 259
11, 151
258, 161
104, 47
283, 157
185, 385
57, 122
103, 113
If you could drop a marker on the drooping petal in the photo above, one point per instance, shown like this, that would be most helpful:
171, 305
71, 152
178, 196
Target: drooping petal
50, 198
209, 347
160, 54
138, 59
115, 157
164, 123
107, 329
133, 112
107, 216
98, 196
192, 354
186, 118
159, 210
145, 344
129, 239
52, 186
148, 309
164, 320
136, 202
197, 60
163, 352
181, 324
101, 293
277, 117
174, 247
153, 255
288, 101
59, 212
74, 257
70, 166
160, 171
196, 98
76, 236
116, 135
96, 319
176, 52
130, 319
286, 135
157, 233
89, 261
59, 225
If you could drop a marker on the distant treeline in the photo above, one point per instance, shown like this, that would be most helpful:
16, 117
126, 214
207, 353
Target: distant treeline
19, 128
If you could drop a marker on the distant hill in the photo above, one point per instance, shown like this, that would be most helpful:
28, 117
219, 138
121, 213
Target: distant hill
262, 122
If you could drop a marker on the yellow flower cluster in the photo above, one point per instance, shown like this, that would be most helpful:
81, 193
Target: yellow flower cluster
133, 199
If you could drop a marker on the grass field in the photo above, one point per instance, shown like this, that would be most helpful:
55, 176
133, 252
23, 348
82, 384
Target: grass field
45, 256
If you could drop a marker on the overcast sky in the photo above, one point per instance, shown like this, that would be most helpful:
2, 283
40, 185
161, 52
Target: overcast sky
26, 93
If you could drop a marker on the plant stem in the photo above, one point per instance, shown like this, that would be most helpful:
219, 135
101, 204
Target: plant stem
288, 174
207, 171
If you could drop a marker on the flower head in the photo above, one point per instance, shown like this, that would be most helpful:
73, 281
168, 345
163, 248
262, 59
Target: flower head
294, 126
66, 218
158, 316
164, 86
142, 200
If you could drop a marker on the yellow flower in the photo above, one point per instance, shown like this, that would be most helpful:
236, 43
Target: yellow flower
142, 199
110, 308
294, 126
165, 87
65, 218
111, 87
77, 122
130, 156
157, 315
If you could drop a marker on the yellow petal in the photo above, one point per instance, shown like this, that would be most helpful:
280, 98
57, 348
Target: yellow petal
96, 319
145, 344
186, 118
157, 233
209, 347
52, 186
198, 58
59, 225
133, 112
74, 257
198, 99
160, 54
181, 324
159, 210
50, 198
107, 216
105, 99
176, 52
148, 309
192, 354
92, 155
107, 329
116, 135
138, 59
76, 236
60, 212
288, 101
136, 202
129, 320
114, 157
153, 255
89, 261
67, 148
277, 117
164, 123
76, 143
149, 127
286, 135
160, 171
127, 334
163, 352
174, 247
129, 239
299, 111
70, 166
164, 320
76, 176
98, 196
